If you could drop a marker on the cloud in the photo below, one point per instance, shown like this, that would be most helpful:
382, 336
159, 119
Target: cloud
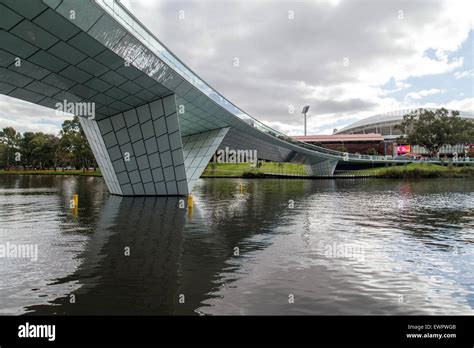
463, 74
466, 104
402, 85
28, 117
293, 62
293, 53
423, 93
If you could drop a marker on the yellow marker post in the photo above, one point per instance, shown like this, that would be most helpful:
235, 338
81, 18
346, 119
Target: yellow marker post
75, 199
241, 188
190, 206
190, 201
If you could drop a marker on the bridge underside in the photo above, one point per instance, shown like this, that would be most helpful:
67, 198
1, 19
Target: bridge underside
153, 132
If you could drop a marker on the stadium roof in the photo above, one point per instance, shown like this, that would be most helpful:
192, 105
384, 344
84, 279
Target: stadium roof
391, 116
340, 137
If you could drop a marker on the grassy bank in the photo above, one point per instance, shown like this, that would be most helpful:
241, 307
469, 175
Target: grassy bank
412, 170
418, 170
50, 172
244, 170
238, 170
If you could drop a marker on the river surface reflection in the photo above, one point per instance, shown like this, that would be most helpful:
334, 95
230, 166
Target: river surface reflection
279, 247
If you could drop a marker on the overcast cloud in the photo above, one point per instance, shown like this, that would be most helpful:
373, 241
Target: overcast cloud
347, 59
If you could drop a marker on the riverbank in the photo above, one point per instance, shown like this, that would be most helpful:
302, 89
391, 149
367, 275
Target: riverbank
418, 170
245, 170
411, 170
273, 169
50, 172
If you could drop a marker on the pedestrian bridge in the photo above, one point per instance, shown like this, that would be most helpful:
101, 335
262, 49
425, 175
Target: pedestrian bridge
155, 123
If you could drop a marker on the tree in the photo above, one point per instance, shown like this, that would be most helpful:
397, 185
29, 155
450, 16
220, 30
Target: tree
3, 155
10, 138
74, 146
43, 150
40, 150
434, 129
26, 148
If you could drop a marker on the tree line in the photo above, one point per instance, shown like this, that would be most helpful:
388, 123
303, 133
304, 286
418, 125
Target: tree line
70, 148
433, 129
38, 150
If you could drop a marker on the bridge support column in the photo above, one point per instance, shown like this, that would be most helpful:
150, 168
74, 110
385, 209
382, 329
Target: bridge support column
198, 150
141, 152
323, 168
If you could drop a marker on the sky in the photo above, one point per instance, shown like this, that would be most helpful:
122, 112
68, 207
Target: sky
347, 59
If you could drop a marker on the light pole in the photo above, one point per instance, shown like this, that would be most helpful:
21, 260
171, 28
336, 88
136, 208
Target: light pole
304, 112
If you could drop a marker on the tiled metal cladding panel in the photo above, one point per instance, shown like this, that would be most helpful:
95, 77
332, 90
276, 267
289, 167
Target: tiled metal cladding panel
47, 56
145, 149
193, 119
198, 150
101, 155
324, 168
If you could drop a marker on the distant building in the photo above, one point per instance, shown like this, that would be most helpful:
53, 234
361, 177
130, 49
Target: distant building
383, 125
352, 143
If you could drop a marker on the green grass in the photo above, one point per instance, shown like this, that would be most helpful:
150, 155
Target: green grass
237, 170
417, 170
412, 170
50, 172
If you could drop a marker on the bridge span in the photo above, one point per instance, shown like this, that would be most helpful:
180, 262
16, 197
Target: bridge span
156, 124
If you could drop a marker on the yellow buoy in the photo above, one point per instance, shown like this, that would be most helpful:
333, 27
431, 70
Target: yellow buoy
75, 199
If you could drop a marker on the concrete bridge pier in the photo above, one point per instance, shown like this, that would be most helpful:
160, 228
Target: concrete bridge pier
141, 151
323, 168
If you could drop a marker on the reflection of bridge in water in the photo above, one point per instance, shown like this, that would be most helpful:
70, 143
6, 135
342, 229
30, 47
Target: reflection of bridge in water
156, 123
171, 252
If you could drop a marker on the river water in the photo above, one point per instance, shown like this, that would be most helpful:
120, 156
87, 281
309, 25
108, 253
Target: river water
325, 247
